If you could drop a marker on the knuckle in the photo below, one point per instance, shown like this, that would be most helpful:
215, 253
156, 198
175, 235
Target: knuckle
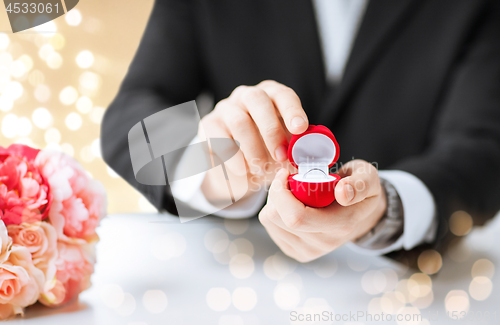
360, 185
238, 91
308, 256
302, 259
294, 220
264, 216
258, 164
272, 131
286, 92
346, 229
253, 94
333, 244
239, 119
268, 82
221, 106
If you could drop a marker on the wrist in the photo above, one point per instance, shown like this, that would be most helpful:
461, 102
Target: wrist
375, 217
390, 226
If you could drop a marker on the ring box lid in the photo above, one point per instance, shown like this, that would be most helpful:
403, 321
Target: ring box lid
316, 148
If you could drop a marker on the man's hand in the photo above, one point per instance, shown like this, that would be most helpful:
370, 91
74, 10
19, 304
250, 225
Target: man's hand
305, 233
261, 118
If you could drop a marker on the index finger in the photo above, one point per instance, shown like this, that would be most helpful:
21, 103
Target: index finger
288, 105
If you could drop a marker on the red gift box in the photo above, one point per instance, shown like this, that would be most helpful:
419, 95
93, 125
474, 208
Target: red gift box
313, 153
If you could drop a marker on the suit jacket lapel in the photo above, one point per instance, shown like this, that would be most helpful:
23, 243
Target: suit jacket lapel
382, 21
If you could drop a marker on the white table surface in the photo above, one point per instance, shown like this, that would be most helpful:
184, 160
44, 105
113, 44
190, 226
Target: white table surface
151, 269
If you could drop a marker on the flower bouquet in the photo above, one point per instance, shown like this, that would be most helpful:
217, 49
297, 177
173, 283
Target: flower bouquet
49, 210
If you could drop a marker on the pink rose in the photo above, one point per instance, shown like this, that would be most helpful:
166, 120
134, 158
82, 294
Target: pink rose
24, 193
41, 241
20, 282
74, 268
79, 202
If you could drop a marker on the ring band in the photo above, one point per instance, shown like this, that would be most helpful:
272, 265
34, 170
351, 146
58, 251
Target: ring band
310, 170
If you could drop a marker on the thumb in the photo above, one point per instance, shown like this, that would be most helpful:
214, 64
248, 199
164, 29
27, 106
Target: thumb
363, 182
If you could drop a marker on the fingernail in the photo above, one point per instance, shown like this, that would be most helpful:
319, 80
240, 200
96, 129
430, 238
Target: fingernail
281, 153
349, 192
298, 122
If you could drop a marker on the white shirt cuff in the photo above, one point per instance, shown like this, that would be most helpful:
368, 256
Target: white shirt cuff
419, 210
188, 190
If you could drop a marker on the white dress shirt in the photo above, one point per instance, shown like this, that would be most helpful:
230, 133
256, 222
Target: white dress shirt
338, 22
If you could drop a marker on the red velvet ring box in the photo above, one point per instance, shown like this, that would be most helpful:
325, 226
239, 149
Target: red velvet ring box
313, 153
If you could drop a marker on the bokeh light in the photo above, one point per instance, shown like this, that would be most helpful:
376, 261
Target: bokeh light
42, 118
373, 282
460, 223
241, 266
218, 299
68, 95
6, 103
73, 121
127, 307
430, 261
54, 60
57, 41
483, 267
155, 301
97, 114
277, 266
84, 104
240, 246
286, 296
24, 126
9, 125
52, 135
457, 302
45, 51
244, 298
4, 41
14, 90
480, 288
85, 59
68, 149
112, 295
42, 93
89, 83
73, 17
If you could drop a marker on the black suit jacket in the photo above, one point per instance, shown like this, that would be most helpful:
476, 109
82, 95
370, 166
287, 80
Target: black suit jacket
420, 92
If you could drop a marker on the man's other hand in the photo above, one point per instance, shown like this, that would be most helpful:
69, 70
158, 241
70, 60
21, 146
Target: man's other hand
306, 233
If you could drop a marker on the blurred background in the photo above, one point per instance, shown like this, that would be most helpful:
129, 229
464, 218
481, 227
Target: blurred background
57, 79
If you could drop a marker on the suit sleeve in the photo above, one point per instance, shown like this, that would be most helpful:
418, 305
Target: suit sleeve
461, 166
164, 72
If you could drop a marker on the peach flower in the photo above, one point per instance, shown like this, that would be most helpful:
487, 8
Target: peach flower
74, 267
5, 243
79, 202
20, 281
41, 241
24, 194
